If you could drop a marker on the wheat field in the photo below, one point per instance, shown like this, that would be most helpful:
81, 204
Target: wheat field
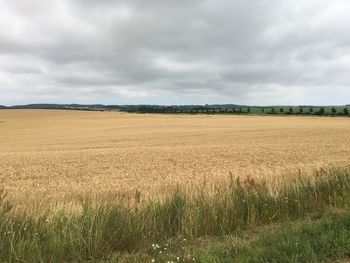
55, 158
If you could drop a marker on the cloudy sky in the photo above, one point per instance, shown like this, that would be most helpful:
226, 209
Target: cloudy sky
175, 52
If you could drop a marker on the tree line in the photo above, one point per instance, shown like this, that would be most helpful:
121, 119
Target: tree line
241, 110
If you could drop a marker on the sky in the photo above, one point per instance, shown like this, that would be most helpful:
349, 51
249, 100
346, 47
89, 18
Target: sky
266, 52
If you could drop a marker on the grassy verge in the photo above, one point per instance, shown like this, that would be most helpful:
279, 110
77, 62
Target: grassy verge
323, 240
112, 232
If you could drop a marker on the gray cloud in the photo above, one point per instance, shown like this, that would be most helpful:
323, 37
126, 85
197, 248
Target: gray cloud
160, 51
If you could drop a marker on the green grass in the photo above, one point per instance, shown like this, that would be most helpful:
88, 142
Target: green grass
110, 232
323, 240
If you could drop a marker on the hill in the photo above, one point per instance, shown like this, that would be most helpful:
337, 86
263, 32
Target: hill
58, 106
207, 108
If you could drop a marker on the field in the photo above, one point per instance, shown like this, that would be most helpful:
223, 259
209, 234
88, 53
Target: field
50, 157
78, 186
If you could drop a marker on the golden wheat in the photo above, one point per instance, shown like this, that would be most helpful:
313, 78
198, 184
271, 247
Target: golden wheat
51, 157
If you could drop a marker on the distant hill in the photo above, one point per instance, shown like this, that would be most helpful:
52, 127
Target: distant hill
64, 106
96, 107
56, 106
125, 108
148, 108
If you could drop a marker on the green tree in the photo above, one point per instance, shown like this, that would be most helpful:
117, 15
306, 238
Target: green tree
346, 111
281, 110
301, 110
290, 110
311, 110
262, 110
248, 110
334, 110
272, 110
322, 111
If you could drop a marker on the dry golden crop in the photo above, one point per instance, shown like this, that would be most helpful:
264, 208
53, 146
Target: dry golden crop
57, 157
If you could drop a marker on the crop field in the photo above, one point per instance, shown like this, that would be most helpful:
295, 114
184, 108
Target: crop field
86, 186
53, 157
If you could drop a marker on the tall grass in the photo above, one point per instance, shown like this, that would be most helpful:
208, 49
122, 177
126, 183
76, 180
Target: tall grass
106, 231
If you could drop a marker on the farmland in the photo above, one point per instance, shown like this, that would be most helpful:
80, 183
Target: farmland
53, 157
88, 186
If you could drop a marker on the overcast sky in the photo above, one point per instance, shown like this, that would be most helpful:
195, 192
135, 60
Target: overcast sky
175, 51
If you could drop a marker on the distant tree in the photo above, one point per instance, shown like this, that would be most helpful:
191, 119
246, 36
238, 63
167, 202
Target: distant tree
272, 110
281, 110
346, 111
311, 110
240, 110
290, 110
322, 111
248, 110
301, 110
262, 110
334, 110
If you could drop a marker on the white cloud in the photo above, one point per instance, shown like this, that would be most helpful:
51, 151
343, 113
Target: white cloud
187, 51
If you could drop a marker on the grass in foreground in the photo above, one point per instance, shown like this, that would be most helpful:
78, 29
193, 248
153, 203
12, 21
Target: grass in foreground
110, 232
323, 240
